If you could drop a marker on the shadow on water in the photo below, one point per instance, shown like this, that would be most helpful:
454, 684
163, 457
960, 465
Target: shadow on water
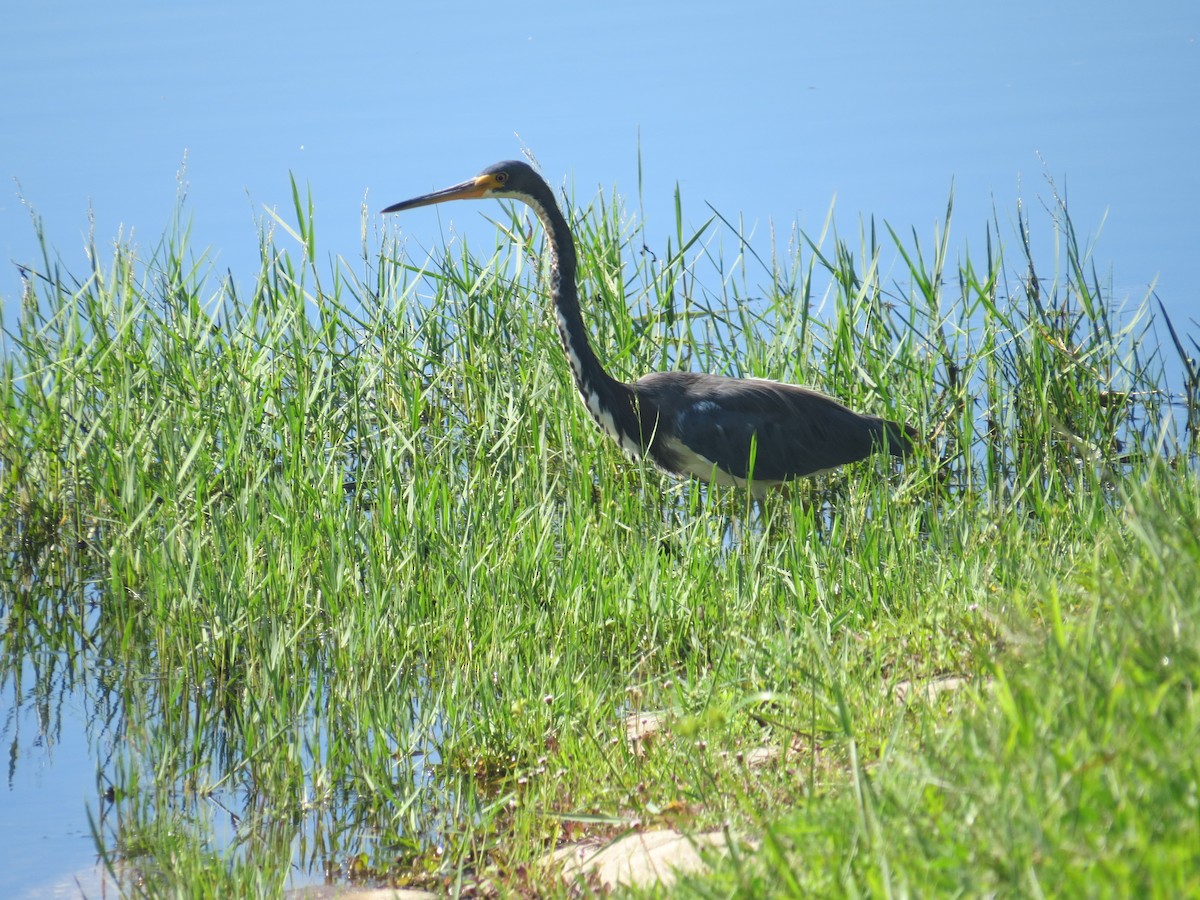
107, 753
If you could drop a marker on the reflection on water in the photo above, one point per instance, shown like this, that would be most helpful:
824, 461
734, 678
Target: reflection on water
54, 724
101, 754
50, 778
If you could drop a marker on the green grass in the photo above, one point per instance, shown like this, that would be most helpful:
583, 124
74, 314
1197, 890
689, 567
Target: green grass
358, 585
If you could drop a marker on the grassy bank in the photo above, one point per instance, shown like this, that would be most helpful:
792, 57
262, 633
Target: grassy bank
359, 587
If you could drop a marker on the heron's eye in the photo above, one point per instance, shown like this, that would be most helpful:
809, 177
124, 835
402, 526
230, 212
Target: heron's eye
502, 177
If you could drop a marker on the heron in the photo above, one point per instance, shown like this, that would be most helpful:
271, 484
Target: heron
749, 432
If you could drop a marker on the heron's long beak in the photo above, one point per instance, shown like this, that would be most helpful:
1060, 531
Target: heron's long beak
469, 190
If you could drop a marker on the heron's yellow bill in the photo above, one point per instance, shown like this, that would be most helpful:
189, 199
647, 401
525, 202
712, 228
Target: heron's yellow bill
473, 189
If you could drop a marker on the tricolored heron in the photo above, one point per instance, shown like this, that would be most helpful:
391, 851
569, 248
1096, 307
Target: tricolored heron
744, 431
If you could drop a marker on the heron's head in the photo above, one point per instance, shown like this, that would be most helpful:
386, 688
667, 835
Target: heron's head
513, 179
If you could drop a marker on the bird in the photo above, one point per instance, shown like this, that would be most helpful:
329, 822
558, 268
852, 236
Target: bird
751, 433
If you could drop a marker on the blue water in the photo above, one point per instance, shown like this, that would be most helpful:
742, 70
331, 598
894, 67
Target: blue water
50, 782
769, 112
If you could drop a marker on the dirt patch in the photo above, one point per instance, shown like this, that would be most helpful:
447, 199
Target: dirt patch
337, 892
932, 691
634, 860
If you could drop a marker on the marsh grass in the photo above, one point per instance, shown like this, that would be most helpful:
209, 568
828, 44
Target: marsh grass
364, 593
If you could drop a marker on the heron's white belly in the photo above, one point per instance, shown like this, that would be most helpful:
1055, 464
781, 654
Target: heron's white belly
698, 466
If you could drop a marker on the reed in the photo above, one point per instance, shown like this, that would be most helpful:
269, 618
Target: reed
356, 586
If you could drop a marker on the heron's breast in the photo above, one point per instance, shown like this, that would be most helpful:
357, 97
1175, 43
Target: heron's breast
607, 420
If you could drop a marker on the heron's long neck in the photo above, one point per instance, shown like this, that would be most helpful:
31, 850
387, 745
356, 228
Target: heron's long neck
609, 401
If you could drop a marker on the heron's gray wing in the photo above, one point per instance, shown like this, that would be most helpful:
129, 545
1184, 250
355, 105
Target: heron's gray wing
771, 430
